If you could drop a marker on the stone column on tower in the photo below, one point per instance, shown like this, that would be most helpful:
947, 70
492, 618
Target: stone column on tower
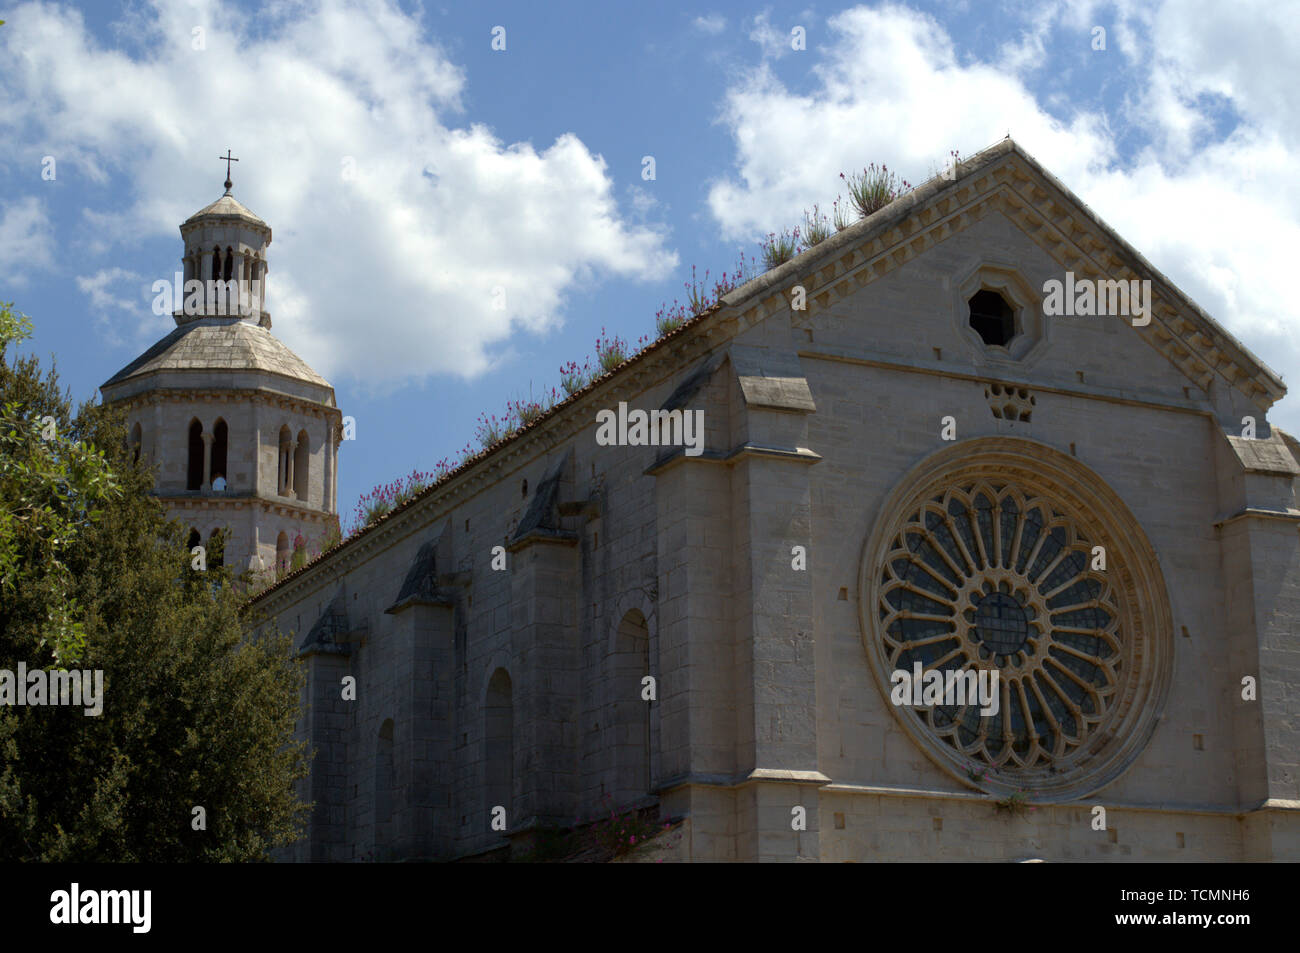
205, 477
289, 454
328, 486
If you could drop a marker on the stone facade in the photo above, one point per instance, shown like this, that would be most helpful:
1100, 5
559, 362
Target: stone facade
221, 397
876, 479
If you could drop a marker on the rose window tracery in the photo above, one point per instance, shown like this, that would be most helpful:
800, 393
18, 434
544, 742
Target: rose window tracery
1033, 570
987, 577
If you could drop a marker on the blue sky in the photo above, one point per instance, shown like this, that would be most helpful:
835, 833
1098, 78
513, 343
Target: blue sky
478, 168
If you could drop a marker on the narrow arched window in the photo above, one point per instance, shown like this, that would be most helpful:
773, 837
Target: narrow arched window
301, 466
194, 472
282, 553
216, 264
195, 539
630, 721
230, 265
220, 441
385, 782
137, 441
499, 713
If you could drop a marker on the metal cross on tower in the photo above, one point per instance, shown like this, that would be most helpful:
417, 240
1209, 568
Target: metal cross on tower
227, 158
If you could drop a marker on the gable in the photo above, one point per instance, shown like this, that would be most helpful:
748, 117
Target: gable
918, 314
1003, 187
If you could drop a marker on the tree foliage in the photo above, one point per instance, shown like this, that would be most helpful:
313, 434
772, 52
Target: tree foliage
93, 576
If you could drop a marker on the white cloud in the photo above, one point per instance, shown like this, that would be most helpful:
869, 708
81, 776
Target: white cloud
641, 201
1244, 54
891, 90
97, 288
385, 277
712, 24
1028, 51
26, 242
120, 301
773, 41
1218, 212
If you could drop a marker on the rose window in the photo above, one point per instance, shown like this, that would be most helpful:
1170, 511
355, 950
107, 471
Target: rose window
982, 567
988, 578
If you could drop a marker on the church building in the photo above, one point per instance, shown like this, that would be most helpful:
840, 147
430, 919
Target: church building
975, 433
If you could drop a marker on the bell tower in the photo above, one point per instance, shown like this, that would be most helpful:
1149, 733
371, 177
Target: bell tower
225, 261
242, 434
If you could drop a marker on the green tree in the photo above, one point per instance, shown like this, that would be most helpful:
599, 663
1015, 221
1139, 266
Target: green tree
93, 576
53, 485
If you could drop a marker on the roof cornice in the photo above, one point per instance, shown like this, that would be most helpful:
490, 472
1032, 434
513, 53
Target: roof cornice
266, 395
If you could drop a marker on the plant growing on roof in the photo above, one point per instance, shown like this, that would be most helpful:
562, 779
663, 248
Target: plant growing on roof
874, 188
840, 216
610, 351
816, 228
490, 430
574, 378
780, 248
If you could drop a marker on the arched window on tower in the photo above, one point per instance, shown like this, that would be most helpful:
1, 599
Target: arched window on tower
194, 472
216, 264
498, 712
286, 461
282, 553
195, 539
301, 466
220, 443
137, 441
230, 265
